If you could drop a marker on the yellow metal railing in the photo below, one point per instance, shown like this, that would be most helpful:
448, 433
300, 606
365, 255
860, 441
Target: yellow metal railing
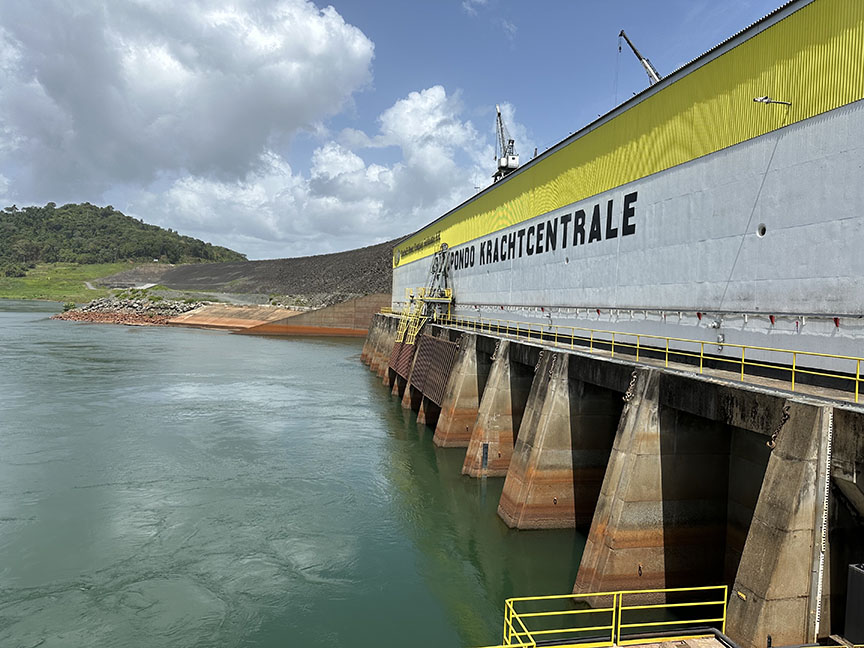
787, 361
386, 310
631, 617
414, 325
403, 322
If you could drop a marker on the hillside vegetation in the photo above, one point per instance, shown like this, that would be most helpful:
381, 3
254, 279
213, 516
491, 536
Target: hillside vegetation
88, 234
60, 282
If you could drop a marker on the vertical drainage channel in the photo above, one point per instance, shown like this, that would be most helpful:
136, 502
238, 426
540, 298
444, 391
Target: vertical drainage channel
485, 462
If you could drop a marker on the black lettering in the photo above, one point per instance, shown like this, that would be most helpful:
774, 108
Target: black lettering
579, 227
511, 245
539, 247
482, 252
565, 221
552, 234
495, 257
611, 232
595, 233
504, 247
521, 235
628, 228
529, 247
472, 256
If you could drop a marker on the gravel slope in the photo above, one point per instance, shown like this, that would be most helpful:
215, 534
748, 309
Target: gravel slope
363, 271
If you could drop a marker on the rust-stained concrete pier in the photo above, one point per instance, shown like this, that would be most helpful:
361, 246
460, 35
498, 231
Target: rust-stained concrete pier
679, 479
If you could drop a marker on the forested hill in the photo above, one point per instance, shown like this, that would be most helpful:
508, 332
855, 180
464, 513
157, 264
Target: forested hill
86, 233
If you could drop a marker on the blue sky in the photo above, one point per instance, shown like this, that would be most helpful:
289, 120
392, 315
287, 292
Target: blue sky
284, 128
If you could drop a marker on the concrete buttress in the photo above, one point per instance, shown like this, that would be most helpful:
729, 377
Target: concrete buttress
388, 340
662, 513
624, 548
377, 351
387, 344
562, 450
368, 342
411, 397
372, 339
774, 592
501, 408
461, 398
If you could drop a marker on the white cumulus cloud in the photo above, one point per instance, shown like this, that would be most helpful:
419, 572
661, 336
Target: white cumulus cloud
183, 114
95, 92
343, 201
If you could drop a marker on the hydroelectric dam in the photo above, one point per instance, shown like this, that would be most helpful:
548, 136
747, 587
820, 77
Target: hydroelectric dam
653, 331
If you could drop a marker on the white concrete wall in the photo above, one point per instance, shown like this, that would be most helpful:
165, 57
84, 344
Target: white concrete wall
696, 248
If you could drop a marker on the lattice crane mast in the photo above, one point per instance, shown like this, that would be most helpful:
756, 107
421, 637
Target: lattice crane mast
650, 70
505, 150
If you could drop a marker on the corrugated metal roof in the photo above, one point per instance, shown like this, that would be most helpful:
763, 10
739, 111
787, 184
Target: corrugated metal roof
740, 32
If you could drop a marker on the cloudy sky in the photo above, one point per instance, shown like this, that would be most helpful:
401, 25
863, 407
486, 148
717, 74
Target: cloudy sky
284, 128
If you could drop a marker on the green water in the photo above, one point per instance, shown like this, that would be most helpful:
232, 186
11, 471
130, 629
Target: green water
175, 487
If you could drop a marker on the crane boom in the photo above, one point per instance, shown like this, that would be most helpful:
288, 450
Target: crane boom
653, 74
505, 149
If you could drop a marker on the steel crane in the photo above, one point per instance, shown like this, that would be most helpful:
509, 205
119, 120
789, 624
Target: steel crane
505, 152
653, 74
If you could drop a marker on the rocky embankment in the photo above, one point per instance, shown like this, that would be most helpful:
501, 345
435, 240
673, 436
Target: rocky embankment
133, 312
316, 281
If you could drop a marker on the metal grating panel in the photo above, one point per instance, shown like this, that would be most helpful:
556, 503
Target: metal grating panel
435, 358
401, 357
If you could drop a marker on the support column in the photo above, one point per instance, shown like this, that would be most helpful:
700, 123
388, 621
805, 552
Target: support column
461, 399
774, 591
377, 351
371, 338
562, 450
624, 546
387, 342
502, 404
661, 515
398, 385
411, 397
428, 413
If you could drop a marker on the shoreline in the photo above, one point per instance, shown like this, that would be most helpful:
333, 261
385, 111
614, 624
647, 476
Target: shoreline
346, 319
125, 319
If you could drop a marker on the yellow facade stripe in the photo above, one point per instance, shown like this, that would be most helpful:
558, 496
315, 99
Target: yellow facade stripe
813, 57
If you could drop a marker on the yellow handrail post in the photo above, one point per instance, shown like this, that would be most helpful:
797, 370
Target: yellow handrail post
794, 360
637, 348
743, 350
701, 355
556, 335
857, 379
592, 342
507, 622
613, 345
572, 337
725, 604
667, 352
